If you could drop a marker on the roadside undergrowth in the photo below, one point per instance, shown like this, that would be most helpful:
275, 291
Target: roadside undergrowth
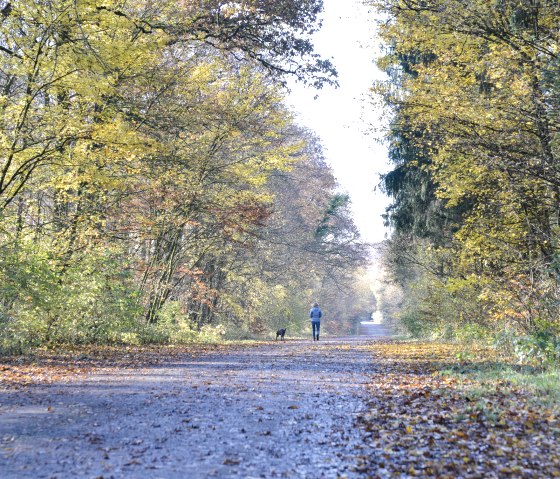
438, 411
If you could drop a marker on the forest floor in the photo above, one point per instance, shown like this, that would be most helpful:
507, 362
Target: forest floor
438, 411
340, 408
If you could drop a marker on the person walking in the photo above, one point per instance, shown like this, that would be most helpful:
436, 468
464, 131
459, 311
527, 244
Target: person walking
315, 314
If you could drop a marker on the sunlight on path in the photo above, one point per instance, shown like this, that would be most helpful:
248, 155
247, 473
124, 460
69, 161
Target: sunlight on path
282, 409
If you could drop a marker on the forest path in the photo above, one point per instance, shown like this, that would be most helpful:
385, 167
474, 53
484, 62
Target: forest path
282, 409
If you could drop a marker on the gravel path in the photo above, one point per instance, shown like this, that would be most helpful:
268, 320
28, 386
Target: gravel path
275, 410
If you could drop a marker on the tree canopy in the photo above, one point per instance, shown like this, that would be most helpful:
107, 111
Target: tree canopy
152, 181
474, 87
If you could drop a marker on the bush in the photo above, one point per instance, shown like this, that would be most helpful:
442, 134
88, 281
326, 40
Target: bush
174, 326
43, 304
539, 349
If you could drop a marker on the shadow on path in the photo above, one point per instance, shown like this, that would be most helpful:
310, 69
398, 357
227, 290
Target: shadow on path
284, 409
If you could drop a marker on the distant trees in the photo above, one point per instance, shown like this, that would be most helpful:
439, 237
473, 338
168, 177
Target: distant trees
152, 182
475, 93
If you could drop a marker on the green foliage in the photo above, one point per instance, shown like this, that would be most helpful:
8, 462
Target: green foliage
151, 175
332, 212
93, 302
540, 349
474, 140
176, 327
543, 384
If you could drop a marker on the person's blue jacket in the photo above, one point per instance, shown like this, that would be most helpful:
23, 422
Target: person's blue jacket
315, 314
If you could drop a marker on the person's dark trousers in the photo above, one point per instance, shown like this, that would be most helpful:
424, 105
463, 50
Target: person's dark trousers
316, 326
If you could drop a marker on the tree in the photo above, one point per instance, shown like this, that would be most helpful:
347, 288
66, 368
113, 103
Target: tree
144, 135
478, 102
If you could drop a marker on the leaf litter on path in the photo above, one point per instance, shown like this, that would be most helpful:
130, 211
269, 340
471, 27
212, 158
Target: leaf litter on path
263, 410
425, 423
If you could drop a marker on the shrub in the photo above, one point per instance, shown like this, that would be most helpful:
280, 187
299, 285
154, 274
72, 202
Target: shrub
43, 304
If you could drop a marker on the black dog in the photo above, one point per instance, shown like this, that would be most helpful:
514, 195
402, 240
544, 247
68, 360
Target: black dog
281, 333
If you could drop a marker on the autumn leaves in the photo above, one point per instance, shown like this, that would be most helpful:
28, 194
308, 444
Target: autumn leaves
474, 87
149, 186
426, 422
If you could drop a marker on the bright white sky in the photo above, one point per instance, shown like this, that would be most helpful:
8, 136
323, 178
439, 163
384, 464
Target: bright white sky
343, 117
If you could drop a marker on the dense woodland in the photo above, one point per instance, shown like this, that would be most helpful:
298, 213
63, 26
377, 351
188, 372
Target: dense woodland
155, 190
153, 185
474, 88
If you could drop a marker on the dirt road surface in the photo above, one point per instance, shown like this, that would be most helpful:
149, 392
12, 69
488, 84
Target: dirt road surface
283, 409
